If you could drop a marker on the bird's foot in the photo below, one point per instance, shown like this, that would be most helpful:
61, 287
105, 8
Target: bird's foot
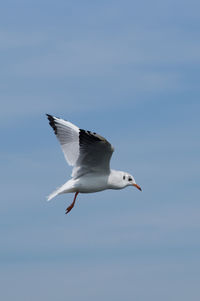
69, 208
72, 204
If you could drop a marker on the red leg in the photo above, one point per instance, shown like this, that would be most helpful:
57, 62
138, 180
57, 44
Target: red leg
72, 204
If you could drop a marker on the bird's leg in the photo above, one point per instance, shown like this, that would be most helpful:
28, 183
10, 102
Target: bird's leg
72, 204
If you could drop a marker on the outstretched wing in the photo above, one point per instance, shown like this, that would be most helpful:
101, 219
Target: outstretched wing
68, 136
84, 150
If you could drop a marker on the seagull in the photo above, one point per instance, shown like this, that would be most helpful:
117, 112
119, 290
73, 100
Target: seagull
89, 154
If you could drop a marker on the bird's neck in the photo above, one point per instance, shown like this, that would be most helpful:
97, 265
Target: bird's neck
115, 179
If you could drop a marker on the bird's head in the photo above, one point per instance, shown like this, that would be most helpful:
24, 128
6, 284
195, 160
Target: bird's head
120, 179
129, 180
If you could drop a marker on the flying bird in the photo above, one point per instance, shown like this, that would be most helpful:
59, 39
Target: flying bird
89, 154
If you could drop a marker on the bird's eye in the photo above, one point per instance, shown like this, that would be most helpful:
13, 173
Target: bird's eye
130, 179
124, 177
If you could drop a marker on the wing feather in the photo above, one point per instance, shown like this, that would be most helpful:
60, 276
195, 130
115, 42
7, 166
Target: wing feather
86, 151
68, 136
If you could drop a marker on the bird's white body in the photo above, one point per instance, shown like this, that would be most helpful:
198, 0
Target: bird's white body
89, 154
94, 182
91, 183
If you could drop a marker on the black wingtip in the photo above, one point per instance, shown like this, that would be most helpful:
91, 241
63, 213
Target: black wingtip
52, 122
49, 116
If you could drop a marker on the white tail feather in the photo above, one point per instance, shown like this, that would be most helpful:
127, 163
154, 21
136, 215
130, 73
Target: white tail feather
52, 195
67, 187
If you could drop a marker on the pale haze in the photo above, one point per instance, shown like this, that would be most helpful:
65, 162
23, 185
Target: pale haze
128, 71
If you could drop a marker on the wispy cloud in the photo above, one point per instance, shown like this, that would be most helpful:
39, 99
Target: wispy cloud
15, 39
58, 74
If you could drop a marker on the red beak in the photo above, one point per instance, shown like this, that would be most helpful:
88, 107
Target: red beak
137, 186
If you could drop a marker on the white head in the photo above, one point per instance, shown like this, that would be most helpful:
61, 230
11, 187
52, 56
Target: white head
128, 180
121, 179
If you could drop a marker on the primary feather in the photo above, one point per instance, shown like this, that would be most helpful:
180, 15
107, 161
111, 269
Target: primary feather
84, 150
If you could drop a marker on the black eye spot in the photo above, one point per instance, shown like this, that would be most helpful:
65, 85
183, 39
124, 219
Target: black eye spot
124, 177
130, 179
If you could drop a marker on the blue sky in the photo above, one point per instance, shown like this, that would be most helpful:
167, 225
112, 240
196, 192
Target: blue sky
129, 71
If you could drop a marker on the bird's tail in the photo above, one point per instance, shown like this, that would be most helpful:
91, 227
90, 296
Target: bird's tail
53, 194
67, 187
